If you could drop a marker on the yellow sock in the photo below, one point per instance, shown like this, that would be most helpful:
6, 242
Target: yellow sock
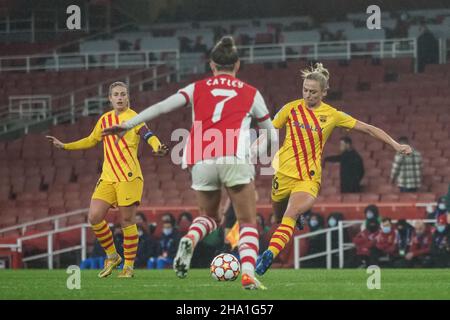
130, 244
282, 235
105, 237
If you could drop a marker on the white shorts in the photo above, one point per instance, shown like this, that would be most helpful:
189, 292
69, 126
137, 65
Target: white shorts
211, 174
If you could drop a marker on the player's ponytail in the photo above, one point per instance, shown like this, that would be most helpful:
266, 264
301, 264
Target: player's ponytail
225, 54
319, 73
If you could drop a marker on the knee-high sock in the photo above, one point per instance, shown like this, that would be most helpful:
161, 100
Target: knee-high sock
248, 247
130, 244
105, 237
200, 228
282, 235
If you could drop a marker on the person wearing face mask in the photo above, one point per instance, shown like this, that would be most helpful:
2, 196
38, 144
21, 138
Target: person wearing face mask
441, 208
386, 249
371, 211
333, 221
419, 251
317, 243
364, 242
167, 247
440, 246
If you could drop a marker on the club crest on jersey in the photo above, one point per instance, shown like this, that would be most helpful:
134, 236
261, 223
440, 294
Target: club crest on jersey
323, 119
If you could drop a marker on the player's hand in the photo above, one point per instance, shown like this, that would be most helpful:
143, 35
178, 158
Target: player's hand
162, 150
403, 149
118, 129
58, 144
409, 256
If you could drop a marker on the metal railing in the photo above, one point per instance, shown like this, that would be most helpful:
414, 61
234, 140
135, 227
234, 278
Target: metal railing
382, 48
56, 219
73, 105
329, 251
88, 60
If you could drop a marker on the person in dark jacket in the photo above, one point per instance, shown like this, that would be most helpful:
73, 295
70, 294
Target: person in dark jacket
440, 246
352, 167
404, 235
317, 243
167, 247
333, 221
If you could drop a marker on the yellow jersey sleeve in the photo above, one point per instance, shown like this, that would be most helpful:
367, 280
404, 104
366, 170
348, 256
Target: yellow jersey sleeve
344, 120
280, 119
88, 142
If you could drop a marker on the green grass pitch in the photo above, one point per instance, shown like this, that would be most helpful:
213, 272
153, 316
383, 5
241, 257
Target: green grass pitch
282, 285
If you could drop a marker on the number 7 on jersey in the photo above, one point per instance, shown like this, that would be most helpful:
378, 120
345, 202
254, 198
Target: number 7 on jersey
228, 94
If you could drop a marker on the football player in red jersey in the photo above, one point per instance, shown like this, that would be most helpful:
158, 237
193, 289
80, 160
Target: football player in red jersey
223, 107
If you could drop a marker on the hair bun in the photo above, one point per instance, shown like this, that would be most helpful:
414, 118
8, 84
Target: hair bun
227, 42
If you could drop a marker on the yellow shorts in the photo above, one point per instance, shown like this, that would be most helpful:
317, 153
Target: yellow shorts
283, 186
120, 194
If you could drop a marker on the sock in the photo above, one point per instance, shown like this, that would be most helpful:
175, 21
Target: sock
130, 244
200, 228
105, 237
248, 247
282, 235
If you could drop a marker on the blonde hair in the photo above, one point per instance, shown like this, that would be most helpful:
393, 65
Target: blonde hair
117, 84
318, 73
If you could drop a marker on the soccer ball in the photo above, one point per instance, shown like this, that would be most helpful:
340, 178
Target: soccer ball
225, 267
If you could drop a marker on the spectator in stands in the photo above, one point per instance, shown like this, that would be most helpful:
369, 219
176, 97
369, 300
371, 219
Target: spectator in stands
407, 170
365, 241
440, 247
199, 46
441, 209
147, 244
371, 212
167, 246
385, 250
168, 217
404, 235
352, 167
333, 221
184, 221
427, 48
419, 251
185, 44
316, 244
402, 26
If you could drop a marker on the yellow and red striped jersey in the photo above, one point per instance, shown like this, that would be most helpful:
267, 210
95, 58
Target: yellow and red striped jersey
307, 131
120, 161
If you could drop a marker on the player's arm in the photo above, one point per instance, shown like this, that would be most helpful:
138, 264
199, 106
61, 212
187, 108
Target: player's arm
170, 104
396, 167
151, 139
85, 143
269, 137
382, 136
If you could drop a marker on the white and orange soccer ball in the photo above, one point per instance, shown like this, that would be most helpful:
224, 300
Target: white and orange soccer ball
225, 267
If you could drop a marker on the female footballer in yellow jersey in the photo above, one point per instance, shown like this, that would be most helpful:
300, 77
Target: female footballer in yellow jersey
121, 182
309, 122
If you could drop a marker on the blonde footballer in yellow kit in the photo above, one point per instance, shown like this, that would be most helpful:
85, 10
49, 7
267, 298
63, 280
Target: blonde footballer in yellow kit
296, 183
121, 182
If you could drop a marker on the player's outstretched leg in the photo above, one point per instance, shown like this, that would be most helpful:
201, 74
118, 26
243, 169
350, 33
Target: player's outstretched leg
105, 238
200, 228
279, 239
248, 252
